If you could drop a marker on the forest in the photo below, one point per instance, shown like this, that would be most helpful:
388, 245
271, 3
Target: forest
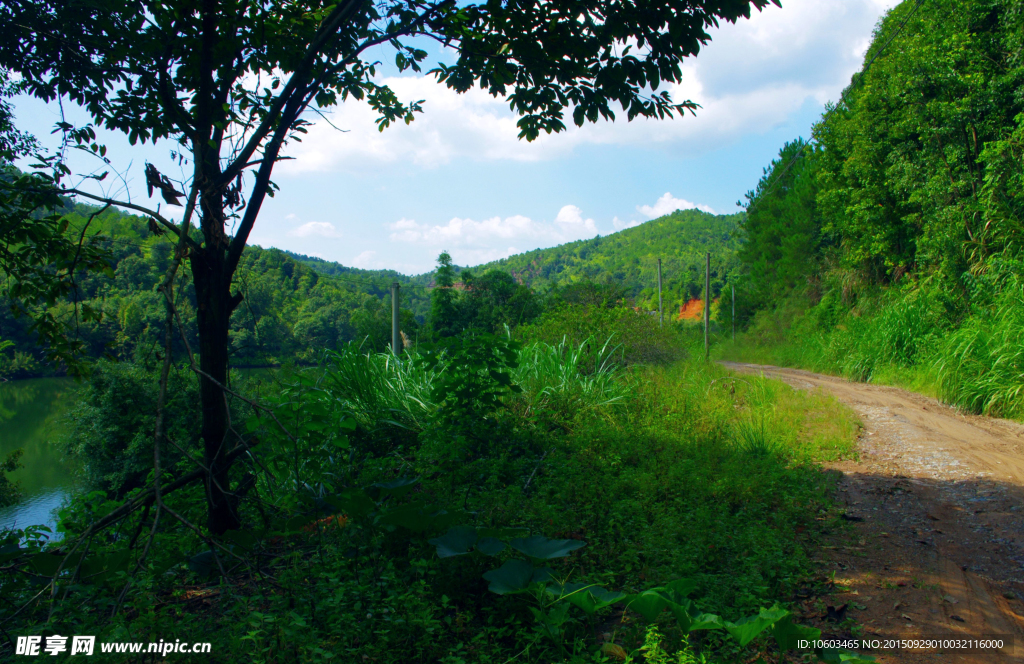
887, 247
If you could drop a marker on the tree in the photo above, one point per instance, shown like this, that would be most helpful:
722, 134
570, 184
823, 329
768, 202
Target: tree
444, 314
784, 242
36, 244
232, 81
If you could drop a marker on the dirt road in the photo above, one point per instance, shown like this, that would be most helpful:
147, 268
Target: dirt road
936, 501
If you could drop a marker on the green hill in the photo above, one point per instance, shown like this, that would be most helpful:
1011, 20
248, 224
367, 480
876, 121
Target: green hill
629, 259
296, 305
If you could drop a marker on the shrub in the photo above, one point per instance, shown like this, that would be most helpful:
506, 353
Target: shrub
637, 336
113, 422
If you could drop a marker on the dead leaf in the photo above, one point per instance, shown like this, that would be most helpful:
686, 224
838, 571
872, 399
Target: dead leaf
615, 651
903, 615
951, 599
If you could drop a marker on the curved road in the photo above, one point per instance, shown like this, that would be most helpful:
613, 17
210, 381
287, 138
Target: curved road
936, 500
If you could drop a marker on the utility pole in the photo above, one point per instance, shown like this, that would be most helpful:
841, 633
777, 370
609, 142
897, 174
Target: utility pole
396, 337
707, 303
661, 313
734, 312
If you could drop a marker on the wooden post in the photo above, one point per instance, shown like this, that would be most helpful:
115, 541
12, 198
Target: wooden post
661, 313
707, 303
396, 337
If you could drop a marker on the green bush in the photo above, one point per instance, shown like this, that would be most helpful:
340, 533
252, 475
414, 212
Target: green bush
636, 335
112, 424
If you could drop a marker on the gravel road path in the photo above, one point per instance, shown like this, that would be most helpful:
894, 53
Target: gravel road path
936, 501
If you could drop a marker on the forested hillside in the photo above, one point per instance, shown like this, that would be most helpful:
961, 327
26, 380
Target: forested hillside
295, 306
291, 312
629, 258
888, 247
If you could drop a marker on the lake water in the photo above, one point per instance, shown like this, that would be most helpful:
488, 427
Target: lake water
31, 418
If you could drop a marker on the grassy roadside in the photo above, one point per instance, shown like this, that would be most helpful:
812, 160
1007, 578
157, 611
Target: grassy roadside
889, 339
965, 351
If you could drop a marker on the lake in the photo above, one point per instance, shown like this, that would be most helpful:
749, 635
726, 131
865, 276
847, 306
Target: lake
31, 417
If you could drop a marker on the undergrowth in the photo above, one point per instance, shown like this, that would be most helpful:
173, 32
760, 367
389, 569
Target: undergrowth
682, 478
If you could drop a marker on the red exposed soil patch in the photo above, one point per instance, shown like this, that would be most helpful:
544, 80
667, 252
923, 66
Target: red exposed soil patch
692, 310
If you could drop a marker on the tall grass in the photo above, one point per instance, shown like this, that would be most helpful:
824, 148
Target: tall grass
378, 389
564, 379
906, 337
554, 378
981, 365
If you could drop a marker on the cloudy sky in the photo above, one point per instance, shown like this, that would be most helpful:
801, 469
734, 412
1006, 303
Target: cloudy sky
458, 179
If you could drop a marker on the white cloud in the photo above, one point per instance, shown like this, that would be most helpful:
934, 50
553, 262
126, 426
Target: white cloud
315, 228
750, 78
571, 220
364, 260
619, 224
667, 204
476, 240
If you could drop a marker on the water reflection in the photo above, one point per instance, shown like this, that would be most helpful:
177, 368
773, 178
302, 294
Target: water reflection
31, 418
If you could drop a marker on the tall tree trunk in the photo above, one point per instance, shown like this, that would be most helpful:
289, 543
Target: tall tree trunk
215, 304
211, 274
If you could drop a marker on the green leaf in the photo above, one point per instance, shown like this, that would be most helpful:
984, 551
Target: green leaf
458, 541
395, 489
203, 564
747, 629
648, 604
542, 548
842, 656
490, 546
515, 576
586, 596
705, 621
681, 587
354, 503
787, 634
45, 564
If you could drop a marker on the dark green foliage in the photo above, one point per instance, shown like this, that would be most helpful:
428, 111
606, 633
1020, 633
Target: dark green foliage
491, 303
656, 488
10, 492
784, 246
495, 302
636, 336
290, 312
444, 314
49, 259
908, 206
473, 379
114, 421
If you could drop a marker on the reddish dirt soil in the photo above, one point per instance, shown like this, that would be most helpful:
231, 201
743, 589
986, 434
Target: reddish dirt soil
936, 508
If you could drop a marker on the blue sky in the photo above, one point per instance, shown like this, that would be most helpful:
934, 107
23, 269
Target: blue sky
458, 179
